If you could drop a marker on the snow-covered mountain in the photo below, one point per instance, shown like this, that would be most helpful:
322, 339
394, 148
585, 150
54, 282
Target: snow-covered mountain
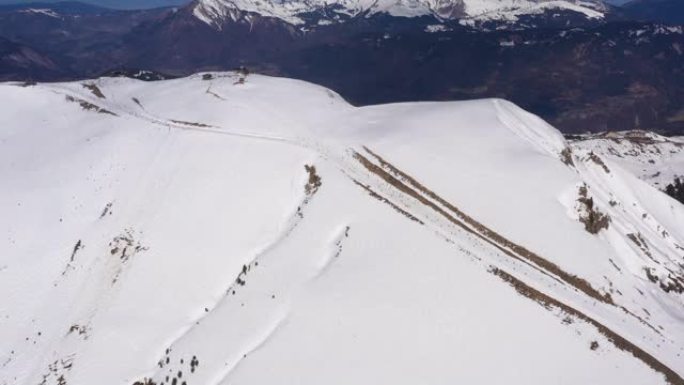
238, 229
654, 158
216, 12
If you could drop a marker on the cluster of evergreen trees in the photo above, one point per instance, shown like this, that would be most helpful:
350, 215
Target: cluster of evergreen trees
676, 189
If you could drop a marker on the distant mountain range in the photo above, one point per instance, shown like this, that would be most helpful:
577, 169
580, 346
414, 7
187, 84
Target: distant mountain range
321, 12
584, 66
668, 11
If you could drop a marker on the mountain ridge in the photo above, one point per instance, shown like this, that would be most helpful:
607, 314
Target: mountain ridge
216, 12
617, 75
310, 237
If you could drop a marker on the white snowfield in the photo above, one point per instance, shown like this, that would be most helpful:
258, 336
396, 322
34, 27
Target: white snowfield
215, 12
223, 229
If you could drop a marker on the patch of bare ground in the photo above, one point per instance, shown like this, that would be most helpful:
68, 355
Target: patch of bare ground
95, 90
89, 106
193, 124
638, 240
387, 201
620, 342
145, 381
124, 247
596, 159
177, 370
78, 246
81, 330
472, 226
57, 370
107, 210
314, 182
593, 219
672, 283
566, 157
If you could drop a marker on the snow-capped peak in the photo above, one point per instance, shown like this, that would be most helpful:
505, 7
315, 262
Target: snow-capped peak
41, 11
215, 12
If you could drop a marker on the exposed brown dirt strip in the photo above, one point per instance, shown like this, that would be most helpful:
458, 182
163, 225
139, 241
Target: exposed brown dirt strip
643, 321
486, 233
620, 342
194, 124
373, 168
385, 200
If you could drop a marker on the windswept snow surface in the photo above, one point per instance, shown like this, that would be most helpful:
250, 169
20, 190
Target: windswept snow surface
213, 230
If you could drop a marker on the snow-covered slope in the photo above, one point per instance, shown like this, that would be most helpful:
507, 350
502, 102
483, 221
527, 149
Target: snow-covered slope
215, 12
223, 229
653, 158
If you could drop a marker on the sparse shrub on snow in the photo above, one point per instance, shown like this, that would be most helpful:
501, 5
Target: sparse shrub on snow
566, 157
314, 181
593, 219
676, 189
596, 159
95, 90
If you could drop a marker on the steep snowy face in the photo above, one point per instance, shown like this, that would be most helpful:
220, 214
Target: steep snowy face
654, 158
215, 12
239, 229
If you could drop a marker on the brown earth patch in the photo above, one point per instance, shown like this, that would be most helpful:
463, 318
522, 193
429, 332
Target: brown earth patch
566, 157
95, 90
314, 182
194, 124
593, 219
596, 159
89, 106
